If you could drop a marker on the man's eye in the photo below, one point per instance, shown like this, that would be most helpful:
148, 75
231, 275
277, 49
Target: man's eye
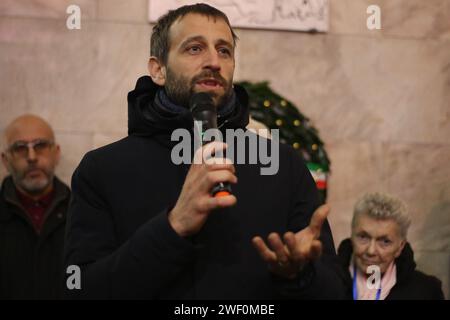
42, 145
194, 49
20, 148
363, 237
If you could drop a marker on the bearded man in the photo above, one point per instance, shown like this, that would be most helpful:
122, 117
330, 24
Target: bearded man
33, 207
141, 226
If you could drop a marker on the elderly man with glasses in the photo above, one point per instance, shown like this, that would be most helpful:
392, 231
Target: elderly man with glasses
33, 205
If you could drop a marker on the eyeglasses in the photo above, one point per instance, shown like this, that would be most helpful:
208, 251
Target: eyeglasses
21, 148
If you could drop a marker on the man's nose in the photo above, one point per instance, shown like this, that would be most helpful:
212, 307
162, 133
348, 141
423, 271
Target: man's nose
212, 60
32, 157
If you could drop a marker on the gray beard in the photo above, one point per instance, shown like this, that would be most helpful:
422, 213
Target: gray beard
34, 187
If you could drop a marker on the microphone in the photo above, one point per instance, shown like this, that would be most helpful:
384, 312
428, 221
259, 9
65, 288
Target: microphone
203, 110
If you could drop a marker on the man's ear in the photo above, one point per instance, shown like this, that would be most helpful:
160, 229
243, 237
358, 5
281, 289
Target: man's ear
5, 161
57, 154
157, 71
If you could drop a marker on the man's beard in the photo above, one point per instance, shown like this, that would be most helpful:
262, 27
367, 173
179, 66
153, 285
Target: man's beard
33, 186
179, 89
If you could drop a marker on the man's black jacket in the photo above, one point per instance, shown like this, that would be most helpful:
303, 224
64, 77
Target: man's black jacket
118, 231
31, 264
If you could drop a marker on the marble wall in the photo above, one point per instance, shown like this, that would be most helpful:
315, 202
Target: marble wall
381, 99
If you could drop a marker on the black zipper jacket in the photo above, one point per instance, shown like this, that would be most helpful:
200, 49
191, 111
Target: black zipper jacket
119, 235
31, 264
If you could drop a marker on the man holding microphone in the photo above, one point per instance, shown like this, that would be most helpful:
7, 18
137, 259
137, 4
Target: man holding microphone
141, 226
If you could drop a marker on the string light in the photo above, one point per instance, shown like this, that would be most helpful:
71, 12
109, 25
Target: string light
296, 145
266, 103
283, 103
297, 122
279, 122
314, 147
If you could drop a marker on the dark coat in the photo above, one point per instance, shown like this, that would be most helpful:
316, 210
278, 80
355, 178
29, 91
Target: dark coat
119, 234
411, 283
31, 264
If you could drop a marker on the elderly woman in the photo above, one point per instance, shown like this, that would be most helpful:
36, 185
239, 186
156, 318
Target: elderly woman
378, 248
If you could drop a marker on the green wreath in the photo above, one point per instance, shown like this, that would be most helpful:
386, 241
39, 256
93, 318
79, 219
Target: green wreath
295, 129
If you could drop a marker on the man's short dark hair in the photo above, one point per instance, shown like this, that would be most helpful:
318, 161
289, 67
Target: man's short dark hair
160, 42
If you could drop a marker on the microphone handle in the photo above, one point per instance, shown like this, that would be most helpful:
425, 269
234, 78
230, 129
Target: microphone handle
221, 189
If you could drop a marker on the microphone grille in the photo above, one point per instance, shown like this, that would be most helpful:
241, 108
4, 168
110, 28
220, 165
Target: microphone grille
201, 101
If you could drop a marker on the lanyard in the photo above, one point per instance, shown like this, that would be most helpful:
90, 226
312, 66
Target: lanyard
355, 287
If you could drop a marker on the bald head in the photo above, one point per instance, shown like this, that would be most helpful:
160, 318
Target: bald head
27, 127
30, 154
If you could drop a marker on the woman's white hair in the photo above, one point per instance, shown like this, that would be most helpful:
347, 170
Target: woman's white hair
382, 206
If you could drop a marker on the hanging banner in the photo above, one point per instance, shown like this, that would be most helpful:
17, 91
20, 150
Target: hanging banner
295, 15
